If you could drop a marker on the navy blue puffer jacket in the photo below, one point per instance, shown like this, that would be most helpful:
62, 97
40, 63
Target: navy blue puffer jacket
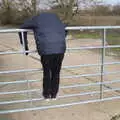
49, 33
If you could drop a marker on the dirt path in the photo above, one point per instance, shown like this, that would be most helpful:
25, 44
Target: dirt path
94, 111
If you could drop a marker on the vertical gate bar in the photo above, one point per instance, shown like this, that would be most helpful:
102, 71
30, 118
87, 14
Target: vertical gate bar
29, 87
102, 63
28, 84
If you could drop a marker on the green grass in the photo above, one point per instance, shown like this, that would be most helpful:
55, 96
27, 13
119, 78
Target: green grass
113, 38
86, 35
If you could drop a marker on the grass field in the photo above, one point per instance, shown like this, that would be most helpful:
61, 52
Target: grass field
96, 20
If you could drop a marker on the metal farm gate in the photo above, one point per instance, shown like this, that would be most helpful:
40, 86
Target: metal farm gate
29, 103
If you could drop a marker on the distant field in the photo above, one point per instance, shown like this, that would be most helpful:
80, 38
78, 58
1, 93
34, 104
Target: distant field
97, 20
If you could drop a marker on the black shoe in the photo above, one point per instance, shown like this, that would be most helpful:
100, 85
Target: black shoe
46, 96
53, 96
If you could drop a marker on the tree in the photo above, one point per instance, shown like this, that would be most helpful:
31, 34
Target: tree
116, 9
28, 6
93, 4
102, 10
16, 11
66, 9
6, 11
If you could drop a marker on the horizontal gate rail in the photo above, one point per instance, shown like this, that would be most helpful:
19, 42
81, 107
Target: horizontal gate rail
64, 67
63, 87
67, 28
58, 106
64, 96
86, 75
68, 49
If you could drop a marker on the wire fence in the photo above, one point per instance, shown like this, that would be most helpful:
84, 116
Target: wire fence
37, 103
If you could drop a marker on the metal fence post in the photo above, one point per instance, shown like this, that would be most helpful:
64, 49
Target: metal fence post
102, 63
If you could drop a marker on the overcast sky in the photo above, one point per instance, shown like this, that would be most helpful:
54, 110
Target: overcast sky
112, 1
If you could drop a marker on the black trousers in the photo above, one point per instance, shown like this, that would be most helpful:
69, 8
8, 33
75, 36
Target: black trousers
51, 74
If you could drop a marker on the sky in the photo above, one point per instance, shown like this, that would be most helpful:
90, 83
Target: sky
112, 1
